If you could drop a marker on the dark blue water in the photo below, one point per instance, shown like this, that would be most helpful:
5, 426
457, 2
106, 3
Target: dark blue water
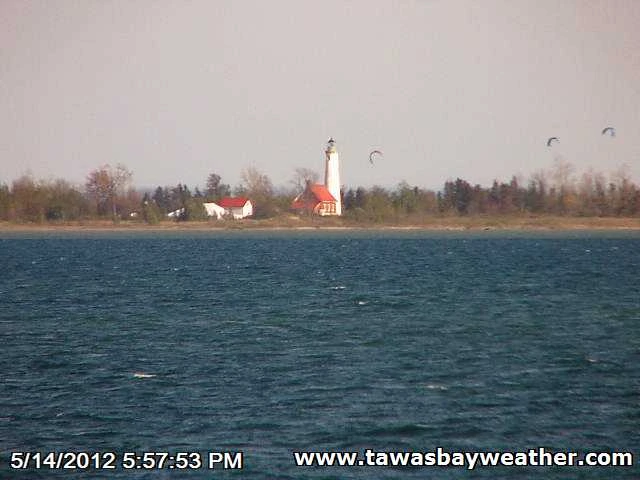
267, 343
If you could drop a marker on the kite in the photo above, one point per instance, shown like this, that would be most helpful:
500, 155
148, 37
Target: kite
609, 130
374, 152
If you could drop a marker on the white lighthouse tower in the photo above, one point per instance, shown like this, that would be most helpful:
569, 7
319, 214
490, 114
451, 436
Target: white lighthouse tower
332, 174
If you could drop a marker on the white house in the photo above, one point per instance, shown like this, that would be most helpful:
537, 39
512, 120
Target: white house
237, 207
214, 210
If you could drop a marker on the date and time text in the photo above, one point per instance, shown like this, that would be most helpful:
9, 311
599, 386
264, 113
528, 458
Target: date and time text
125, 460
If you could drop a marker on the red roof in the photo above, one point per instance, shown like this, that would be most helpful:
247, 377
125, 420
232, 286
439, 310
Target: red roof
321, 193
233, 202
314, 196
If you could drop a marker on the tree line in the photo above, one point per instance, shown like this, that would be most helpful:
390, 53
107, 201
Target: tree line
108, 193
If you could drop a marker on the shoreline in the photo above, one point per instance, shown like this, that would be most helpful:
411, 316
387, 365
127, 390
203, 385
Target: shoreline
435, 224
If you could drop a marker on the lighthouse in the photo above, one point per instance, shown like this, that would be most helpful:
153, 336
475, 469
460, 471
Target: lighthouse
332, 174
318, 199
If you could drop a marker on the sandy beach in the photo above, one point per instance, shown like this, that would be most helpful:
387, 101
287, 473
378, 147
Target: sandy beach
478, 223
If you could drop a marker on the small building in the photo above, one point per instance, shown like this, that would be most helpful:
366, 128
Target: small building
237, 207
214, 210
176, 213
316, 200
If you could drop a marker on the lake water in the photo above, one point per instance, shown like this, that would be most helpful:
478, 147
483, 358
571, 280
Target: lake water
269, 343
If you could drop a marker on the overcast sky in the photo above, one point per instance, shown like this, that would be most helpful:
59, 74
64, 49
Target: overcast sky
176, 90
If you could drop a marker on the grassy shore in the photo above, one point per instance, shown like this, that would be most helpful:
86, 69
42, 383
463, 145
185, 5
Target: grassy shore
493, 222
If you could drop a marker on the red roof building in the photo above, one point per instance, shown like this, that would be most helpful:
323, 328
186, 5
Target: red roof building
316, 200
237, 207
233, 202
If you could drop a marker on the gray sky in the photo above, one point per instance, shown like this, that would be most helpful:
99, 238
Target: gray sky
176, 90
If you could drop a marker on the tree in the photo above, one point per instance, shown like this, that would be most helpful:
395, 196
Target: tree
105, 184
379, 206
128, 204
360, 198
255, 183
29, 200
151, 212
623, 201
463, 193
562, 174
493, 197
162, 199
179, 196
215, 188
258, 187
302, 176
349, 200
64, 202
457, 196
427, 201
405, 198
194, 210
600, 187
5, 202
536, 196
479, 200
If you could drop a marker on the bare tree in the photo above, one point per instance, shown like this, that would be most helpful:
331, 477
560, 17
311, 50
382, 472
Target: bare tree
562, 174
106, 183
29, 198
624, 192
255, 183
303, 175
258, 187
